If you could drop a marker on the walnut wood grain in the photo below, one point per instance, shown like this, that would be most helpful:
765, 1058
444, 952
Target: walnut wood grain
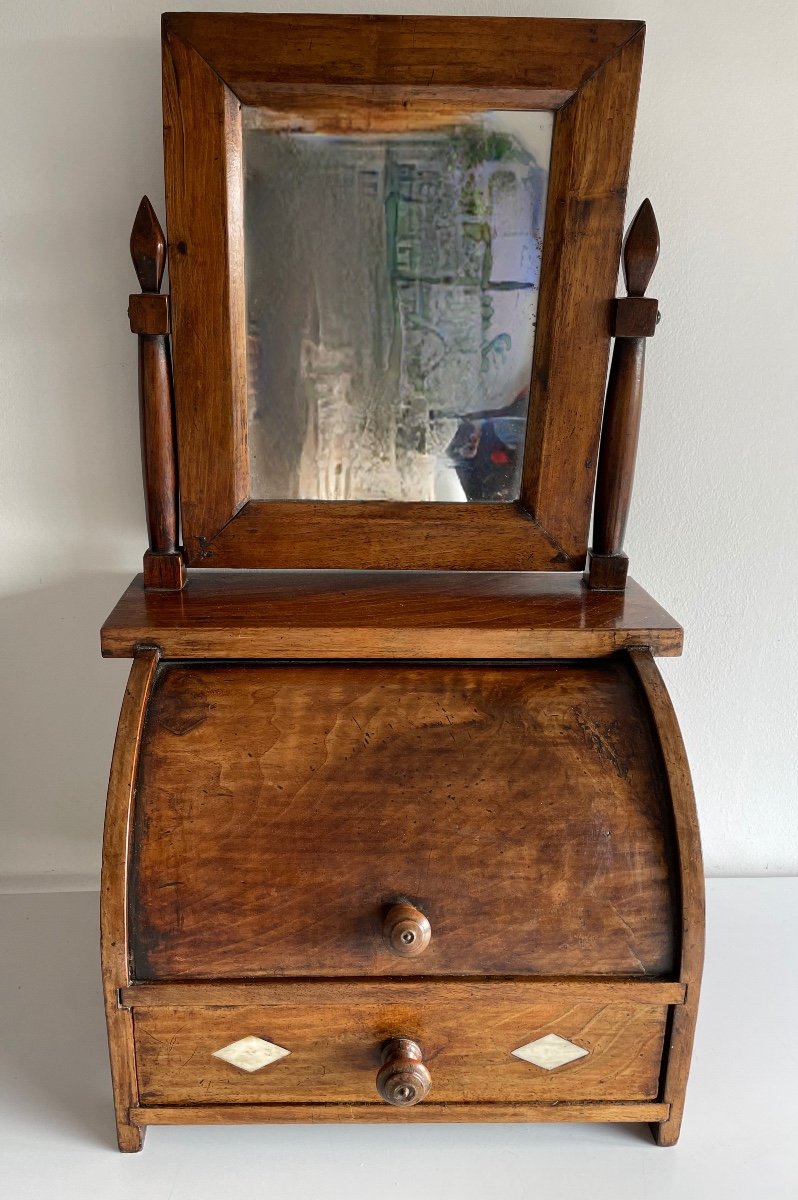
368, 70
113, 895
691, 879
335, 1051
269, 797
355, 614
384, 535
370, 1114
584, 223
254, 51
607, 564
204, 208
463, 992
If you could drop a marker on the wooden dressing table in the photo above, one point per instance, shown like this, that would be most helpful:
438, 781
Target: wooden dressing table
400, 825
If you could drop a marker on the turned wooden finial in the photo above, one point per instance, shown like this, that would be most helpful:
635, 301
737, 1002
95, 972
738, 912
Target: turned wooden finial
635, 320
640, 250
148, 248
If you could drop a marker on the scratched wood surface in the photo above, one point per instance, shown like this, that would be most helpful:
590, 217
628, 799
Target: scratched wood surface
335, 1050
281, 810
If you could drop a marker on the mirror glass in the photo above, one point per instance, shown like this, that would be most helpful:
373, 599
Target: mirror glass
391, 289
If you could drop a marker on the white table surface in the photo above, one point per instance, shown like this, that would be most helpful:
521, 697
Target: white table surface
739, 1139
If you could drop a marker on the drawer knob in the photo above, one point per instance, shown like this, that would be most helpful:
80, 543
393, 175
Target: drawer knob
402, 1079
406, 930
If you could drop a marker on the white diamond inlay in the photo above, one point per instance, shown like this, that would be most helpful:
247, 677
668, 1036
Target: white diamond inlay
550, 1051
251, 1053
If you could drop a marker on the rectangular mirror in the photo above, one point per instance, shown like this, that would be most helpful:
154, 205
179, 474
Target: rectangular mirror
391, 296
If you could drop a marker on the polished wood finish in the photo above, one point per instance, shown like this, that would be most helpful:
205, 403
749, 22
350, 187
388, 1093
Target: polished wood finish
354, 614
336, 1051
148, 248
584, 223
163, 572
635, 321
149, 315
260, 57
204, 205
463, 992
149, 319
691, 892
306, 772
406, 930
370, 1114
403, 1079
384, 535
588, 72
114, 895
640, 251
636, 317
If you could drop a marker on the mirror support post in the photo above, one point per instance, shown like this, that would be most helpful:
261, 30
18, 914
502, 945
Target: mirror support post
164, 566
635, 320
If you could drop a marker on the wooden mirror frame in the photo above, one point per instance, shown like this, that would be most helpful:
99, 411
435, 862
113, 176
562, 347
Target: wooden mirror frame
587, 73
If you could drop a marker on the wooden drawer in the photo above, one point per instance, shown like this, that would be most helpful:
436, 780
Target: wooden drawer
467, 1031
280, 810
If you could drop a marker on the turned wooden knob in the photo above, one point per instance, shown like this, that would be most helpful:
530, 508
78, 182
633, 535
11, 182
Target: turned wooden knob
402, 1079
406, 930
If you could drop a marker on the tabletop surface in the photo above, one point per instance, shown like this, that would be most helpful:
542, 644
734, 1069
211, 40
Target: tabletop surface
413, 614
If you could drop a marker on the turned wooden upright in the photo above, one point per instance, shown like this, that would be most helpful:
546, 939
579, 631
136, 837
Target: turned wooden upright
149, 317
635, 320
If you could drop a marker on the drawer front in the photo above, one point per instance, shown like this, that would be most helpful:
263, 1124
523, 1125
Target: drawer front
573, 1049
282, 810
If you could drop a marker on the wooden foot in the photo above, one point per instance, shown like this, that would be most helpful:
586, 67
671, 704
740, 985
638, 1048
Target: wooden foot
130, 1138
666, 1133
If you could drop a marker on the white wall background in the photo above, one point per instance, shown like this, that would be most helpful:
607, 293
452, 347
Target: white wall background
714, 526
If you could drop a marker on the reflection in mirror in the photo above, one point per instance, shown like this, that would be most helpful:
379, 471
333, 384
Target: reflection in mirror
391, 285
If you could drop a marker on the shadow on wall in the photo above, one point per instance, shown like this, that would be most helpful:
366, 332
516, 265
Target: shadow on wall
83, 154
84, 149
60, 704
